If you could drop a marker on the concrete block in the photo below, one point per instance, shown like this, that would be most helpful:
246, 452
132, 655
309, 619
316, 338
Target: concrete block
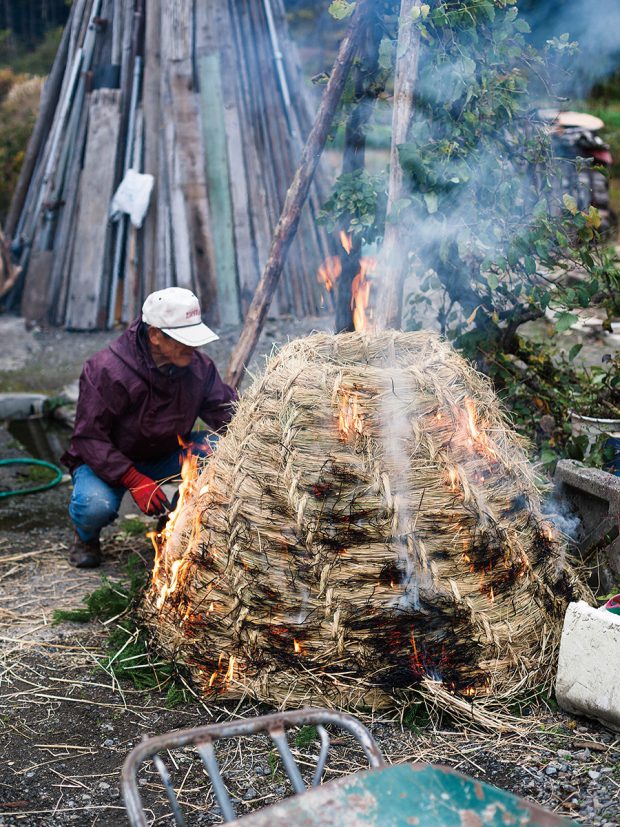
595, 495
587, 682
593, 481
21, 405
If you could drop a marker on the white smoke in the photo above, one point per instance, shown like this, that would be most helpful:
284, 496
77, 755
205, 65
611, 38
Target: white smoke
559, 512
396, 437
596, 29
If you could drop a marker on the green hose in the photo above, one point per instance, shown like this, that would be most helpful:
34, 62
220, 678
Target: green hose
36, 488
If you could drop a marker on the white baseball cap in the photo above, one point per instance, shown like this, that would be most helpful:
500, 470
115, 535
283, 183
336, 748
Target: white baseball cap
176, 312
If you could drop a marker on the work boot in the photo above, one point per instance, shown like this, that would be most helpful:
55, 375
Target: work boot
85, 555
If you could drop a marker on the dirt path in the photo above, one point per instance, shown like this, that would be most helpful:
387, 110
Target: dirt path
66, 724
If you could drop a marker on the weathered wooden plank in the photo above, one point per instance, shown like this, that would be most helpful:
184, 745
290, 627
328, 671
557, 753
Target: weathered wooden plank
128, 42
151, 94
87, 291
118, 23
266, 113
272, 87
247, 265
34, 296
163, 275
73, 82
129, 106
304, 104
84, 14
132, 288
190, 180
38, 295
177, 29
106, 34
65, 229
192, 244
218, 187
180, 237
30, 212
260, 223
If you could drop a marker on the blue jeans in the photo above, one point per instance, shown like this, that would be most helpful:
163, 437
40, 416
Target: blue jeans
94, 504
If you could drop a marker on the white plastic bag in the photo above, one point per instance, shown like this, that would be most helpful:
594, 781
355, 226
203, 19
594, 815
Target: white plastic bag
132, 196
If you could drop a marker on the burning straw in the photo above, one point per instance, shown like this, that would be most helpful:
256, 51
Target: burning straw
368, 530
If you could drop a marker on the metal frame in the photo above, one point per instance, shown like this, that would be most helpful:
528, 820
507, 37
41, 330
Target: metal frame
202, 738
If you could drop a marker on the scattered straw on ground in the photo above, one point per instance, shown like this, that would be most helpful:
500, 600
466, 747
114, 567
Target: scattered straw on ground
67, 725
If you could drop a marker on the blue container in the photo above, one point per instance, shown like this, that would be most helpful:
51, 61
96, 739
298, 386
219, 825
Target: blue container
613, 466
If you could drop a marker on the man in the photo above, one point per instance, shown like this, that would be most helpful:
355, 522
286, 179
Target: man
139, 399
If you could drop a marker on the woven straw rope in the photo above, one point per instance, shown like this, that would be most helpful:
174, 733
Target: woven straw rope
355, 569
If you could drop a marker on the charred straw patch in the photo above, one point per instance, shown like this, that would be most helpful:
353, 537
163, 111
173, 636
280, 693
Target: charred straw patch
368, 530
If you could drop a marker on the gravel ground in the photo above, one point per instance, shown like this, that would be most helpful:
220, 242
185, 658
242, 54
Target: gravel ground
66, 724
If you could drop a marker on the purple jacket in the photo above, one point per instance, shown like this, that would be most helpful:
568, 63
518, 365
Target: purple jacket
129, 411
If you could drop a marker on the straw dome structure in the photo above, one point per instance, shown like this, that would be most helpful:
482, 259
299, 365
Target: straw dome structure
368, 529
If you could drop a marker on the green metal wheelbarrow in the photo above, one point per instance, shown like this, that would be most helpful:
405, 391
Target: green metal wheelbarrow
399, 795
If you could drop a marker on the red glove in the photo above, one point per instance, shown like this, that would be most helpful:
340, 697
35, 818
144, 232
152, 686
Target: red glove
146, 492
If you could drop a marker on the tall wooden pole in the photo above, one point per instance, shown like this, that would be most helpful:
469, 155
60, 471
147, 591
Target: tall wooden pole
392, 260
296, 196
153, 127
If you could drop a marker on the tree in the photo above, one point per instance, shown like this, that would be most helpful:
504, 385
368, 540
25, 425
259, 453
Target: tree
26, 23
19, 104
487, 232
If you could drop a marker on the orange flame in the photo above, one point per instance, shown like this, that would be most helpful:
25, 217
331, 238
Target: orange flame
346, 241
189, 474
349, 418
484, 589
169, 576
416, 657
177, 570
453, 476
360, 294
230, 672
476, 434
329, 272
471, 419
154, 537
297, 647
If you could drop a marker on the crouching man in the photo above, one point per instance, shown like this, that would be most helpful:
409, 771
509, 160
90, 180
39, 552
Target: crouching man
137, 397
